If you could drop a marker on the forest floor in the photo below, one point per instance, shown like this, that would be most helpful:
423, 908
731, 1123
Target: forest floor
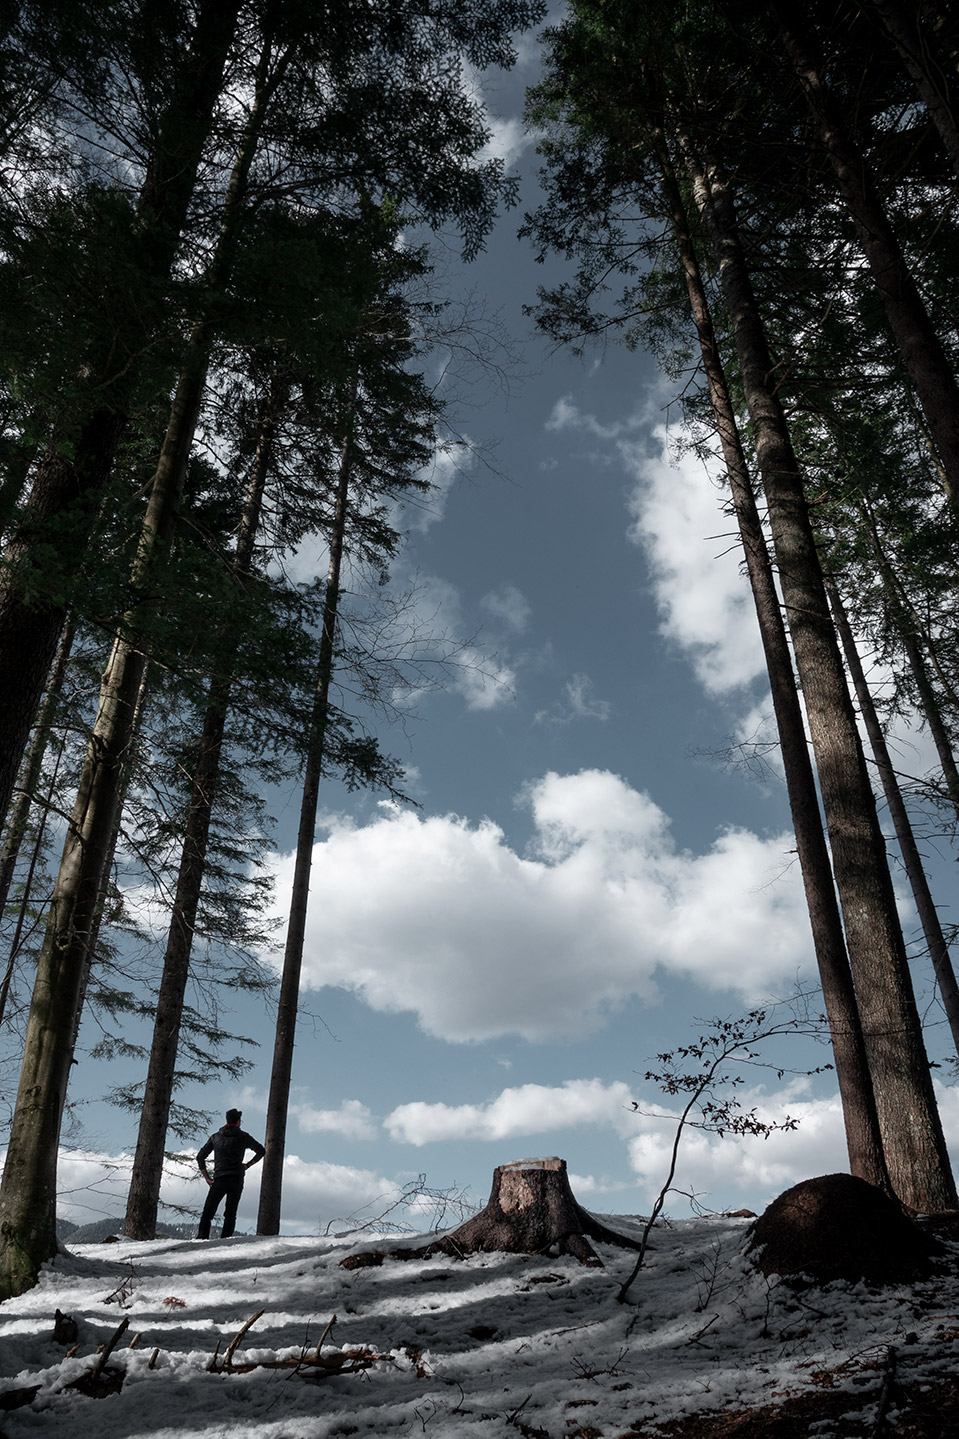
497, 1345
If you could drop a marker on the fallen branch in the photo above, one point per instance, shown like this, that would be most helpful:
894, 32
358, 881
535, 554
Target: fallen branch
695, 1338
109, 1347
100, 1381
341, 1361
18, 1398
124, 1289
885, 1394
228, 1356
511, 1418
316, 1352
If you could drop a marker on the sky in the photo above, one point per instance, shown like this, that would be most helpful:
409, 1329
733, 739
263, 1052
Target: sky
586, 879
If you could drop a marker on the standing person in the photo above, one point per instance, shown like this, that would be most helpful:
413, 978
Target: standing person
228, 1147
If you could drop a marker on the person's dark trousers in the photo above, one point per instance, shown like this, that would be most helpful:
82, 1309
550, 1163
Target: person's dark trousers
232, 1186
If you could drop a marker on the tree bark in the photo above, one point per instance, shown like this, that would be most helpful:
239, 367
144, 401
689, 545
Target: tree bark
30, 628
35, 856
32, 768
91, 949
274, 1140
905, 29
909, 625
912, 1136
28, 1188
531, 1210
923, 356
16, 472
911, 858
147, 1174
863, 1139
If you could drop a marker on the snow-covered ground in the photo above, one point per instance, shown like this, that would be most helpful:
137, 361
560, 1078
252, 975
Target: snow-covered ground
496, 1345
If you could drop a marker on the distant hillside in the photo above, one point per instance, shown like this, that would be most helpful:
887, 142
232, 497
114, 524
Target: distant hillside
102, 1229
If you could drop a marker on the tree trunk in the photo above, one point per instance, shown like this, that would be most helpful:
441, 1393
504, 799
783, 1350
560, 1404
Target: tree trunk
913, 1141
32, 768
91, 949
904, 28
908, 625
28, 1188
911, 858
923, 356
29, 630
274, 1140
863, 1140
940, 18
531, 1210
35, 856
16, 471
146, 1178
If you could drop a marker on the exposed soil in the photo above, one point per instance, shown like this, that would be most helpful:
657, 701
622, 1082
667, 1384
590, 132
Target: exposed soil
915, 1412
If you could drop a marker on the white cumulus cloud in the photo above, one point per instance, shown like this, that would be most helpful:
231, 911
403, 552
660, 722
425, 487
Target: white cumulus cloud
527, 1109
479, 941
508, 140
694, 553
747, 1164
353, 1120
508, 605
692, 546
430, 635
578, 702
93, 1185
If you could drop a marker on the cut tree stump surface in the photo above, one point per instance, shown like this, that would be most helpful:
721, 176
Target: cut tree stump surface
531, 1210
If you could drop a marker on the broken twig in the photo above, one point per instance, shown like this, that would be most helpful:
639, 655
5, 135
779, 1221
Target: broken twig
109, 1347
315, 1356
235, 1342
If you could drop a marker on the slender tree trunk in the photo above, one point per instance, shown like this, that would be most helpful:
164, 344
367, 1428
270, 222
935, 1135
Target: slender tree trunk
91, 949
30, 629
911, 858
912, 1135
923, 356
14, 482
33, 765
70, 482
941, 20
271, 1184
146, 1178
908, 625
915, 44
36, 853
28, 1188
863, 1140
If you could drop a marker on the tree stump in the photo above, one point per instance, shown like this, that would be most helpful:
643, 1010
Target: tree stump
531, 1209
840, 1227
